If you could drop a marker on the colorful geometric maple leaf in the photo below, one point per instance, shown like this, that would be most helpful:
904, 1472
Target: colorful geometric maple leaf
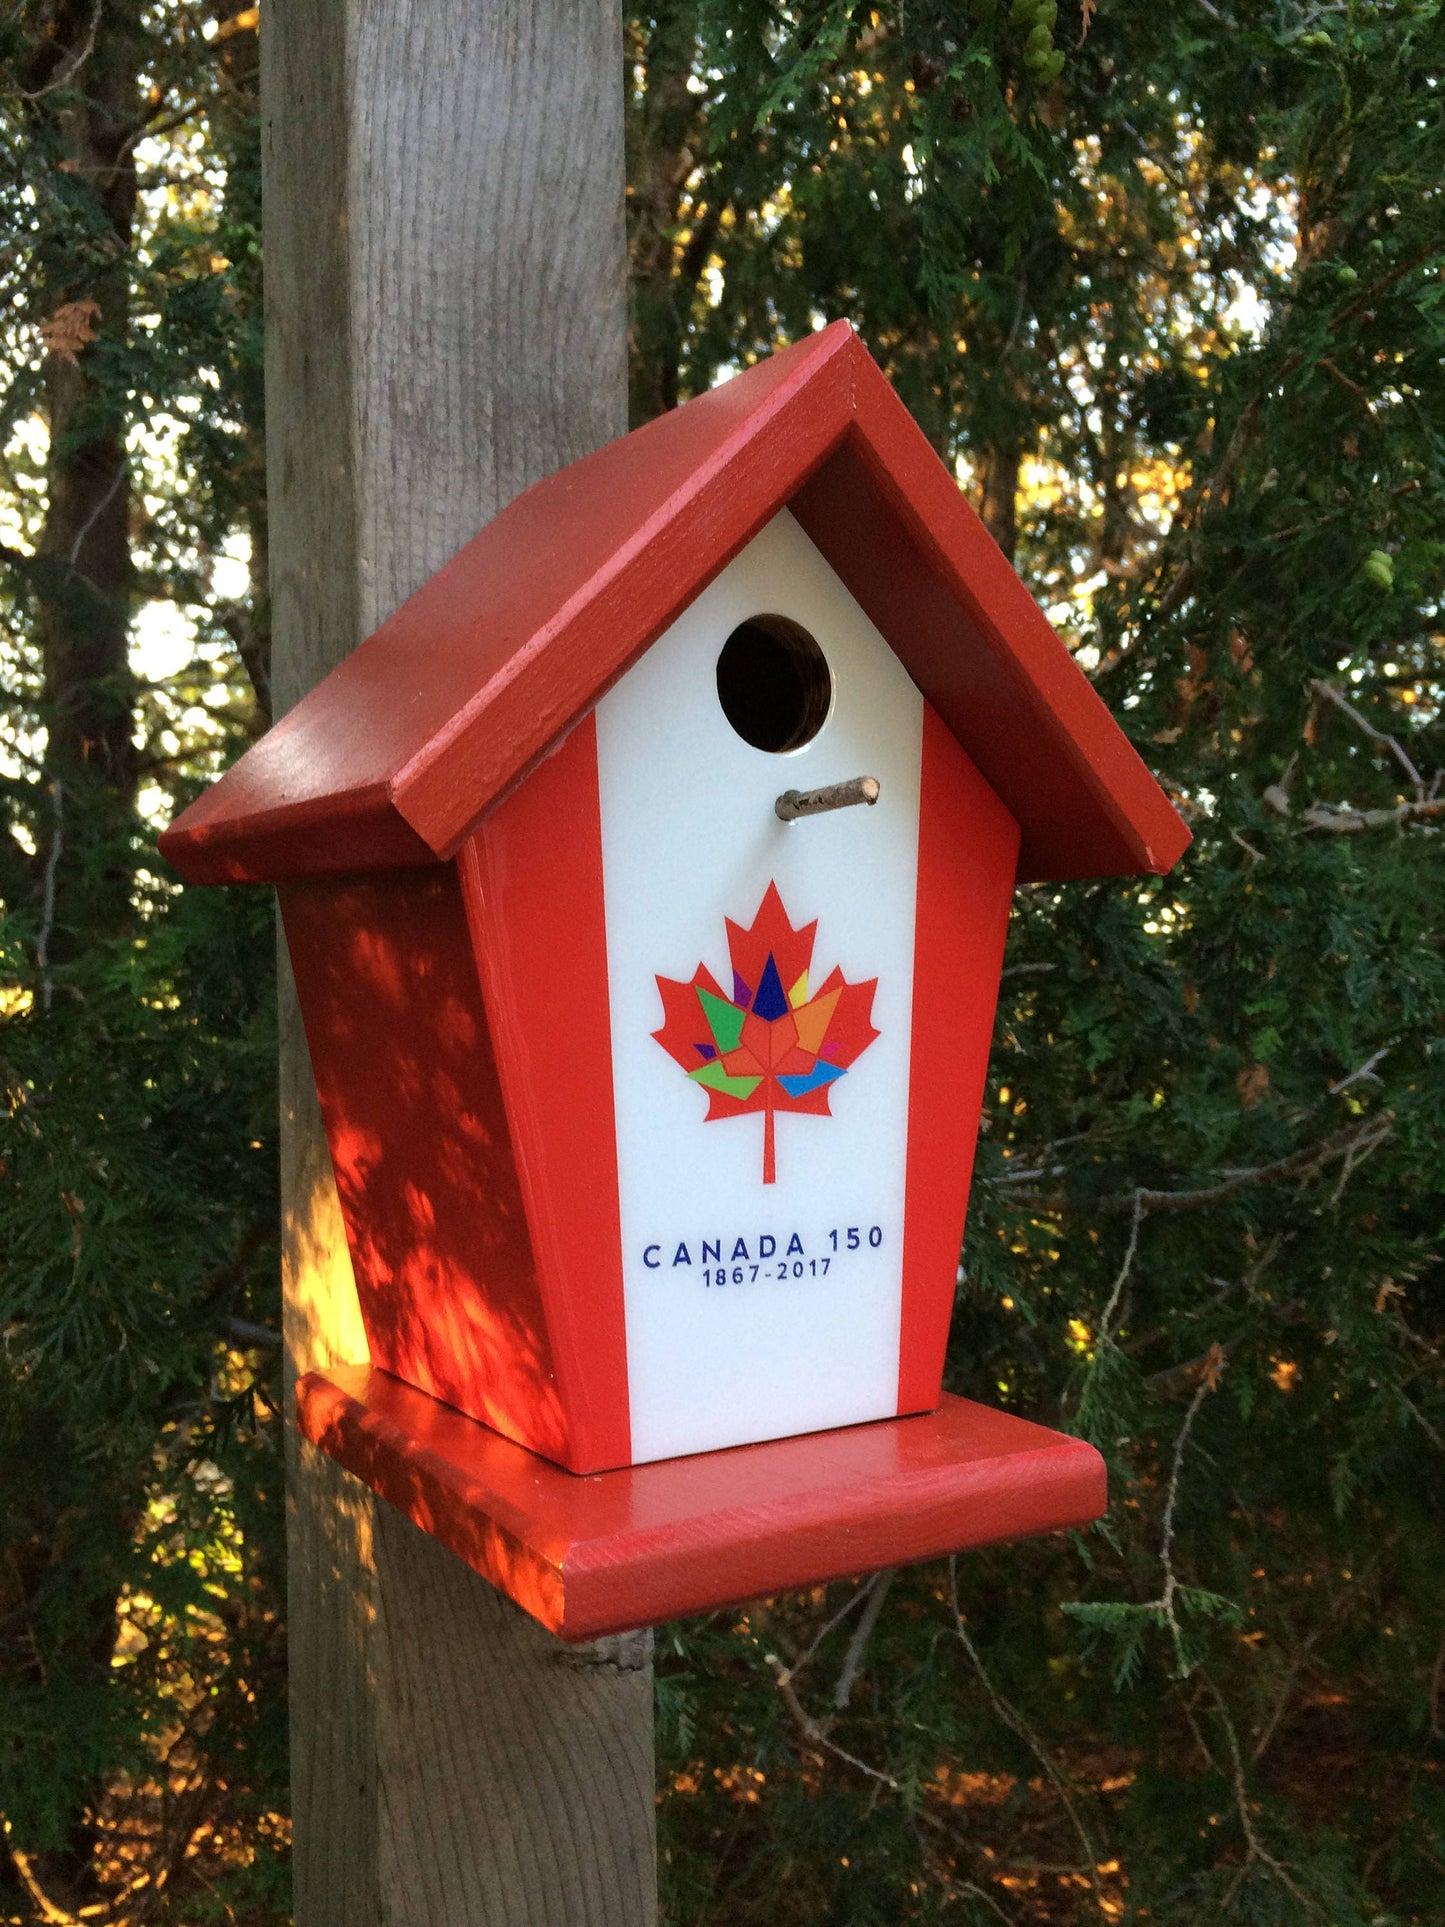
768, 1047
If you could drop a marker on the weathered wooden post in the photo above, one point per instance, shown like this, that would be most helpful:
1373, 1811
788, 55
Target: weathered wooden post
446, 323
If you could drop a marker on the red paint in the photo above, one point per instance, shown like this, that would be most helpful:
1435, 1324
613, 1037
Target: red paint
648, 1543
967, 849
421, 1146
892, 523
438, 829
407, 744
532, 882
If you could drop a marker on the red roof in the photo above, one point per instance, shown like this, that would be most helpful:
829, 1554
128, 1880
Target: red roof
399, 752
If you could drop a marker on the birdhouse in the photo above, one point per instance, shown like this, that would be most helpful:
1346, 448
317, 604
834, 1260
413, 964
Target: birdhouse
645, 879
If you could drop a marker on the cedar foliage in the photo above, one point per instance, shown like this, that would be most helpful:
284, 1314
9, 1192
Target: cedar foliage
1164, 283
142, 1720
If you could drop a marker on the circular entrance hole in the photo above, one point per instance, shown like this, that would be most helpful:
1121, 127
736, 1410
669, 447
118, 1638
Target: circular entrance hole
774, 683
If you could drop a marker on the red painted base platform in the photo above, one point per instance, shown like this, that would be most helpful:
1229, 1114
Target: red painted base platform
604, 1552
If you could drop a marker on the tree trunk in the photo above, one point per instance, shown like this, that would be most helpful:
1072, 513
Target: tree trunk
667, 142
86, 101
446, 323
82, 105
999, 495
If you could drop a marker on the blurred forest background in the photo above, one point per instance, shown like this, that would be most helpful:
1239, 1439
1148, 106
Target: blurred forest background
1163, 283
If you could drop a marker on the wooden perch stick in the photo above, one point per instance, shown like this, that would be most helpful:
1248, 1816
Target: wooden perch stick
837, 796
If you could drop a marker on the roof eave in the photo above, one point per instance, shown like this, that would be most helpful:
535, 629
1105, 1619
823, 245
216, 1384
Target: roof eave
819, 430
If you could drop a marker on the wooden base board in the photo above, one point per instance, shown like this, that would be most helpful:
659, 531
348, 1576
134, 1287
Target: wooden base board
604, 1552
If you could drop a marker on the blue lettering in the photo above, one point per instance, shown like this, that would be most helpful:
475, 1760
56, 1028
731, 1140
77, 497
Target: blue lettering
767, 1246
648, 1259
740, 1249
682, 1256
711, 1253
795, 1245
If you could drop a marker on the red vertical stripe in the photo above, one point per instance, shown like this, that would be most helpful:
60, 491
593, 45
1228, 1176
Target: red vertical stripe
967, 855
532, 877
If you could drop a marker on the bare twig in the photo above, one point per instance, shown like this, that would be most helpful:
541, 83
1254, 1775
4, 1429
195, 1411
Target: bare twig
859, 1594
1206, 1751
1106, 1323
95, 514
817, 1735
247, 1334
68, 69
1244, 428
48, 1910
1348, 822
47, 900
1366, 1072
1354, 1158
1365, 1134
1367, 296
1255, 1849
1420, 1419
878, 1587
1296, 1666
1164, 1604
1354, 388
1327, 692
1017, 1725
1030, 1175
1275, 797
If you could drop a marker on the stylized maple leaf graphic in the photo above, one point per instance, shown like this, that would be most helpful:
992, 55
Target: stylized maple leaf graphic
769, 1047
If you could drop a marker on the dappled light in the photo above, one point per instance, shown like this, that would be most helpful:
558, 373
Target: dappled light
420, 1144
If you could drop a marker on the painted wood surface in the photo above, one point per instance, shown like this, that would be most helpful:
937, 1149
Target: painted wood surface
536, 617
648, 1543
445, 323
421, 1148
967, 852
532, 882
553, 1227
750, 1313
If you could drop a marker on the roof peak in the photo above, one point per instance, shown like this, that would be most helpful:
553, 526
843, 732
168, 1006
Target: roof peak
396, 755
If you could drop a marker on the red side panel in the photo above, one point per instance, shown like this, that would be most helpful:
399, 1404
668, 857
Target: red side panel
419, 1142
967, 853
532, 877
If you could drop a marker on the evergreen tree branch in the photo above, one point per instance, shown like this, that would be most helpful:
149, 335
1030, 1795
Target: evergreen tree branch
1017, 1725
1366, 1134
1328, 693
1348, 822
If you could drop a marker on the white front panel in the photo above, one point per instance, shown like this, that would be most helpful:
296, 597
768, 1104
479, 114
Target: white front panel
802, 1332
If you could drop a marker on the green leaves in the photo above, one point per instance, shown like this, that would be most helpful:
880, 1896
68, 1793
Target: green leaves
1190, 298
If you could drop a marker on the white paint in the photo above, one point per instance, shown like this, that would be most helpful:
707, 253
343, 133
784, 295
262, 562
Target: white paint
689, 837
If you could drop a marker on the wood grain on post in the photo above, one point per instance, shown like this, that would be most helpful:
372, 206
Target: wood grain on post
445, 324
